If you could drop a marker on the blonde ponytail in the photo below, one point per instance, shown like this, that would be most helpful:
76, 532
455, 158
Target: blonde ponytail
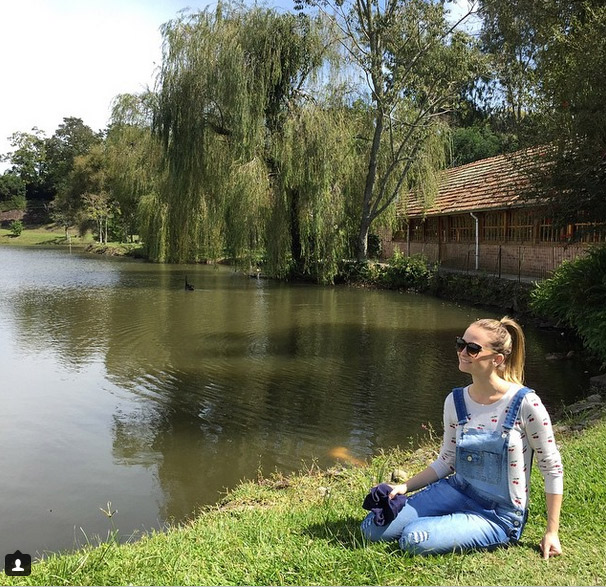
508, 339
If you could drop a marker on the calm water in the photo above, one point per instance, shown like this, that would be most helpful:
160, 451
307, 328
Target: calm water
118, 385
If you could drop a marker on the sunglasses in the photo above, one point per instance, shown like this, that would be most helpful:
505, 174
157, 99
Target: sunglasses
473, 348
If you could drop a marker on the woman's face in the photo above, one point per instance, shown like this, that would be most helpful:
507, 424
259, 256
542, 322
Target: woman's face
484, 361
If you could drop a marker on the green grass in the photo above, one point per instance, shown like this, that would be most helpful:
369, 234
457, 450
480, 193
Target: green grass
49, 234
53, 235
290, 531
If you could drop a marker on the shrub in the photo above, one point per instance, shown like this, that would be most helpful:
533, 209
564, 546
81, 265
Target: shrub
404, 272
360, 272
576, 296
16, 227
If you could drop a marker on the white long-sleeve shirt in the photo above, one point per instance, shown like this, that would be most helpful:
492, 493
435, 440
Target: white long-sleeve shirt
532, 431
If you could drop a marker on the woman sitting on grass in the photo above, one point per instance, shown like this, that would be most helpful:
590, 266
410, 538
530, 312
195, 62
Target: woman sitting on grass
476, 491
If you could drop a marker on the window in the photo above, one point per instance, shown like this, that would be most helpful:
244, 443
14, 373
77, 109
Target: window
417, 231
432, 229
548, 233
494, 227
521, 226
461, 228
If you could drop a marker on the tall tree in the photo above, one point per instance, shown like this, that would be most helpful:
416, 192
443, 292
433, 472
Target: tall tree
83, 196
28, 160
132, 157
313, 212
569, 91
228, 81
511, 39
415, 65
72, 139
573, 83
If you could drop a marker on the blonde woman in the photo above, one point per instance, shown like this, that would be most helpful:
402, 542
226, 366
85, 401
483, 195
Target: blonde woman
475, 494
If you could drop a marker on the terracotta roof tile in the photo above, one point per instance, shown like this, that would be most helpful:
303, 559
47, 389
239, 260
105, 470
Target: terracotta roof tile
495, 183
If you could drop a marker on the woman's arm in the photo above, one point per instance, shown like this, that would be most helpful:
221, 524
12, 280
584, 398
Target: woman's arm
550, 545
541, 438
420, 480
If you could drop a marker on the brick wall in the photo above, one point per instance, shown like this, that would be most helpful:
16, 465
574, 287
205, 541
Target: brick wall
507, 259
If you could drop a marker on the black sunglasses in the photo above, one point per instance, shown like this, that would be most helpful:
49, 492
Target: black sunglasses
473, 348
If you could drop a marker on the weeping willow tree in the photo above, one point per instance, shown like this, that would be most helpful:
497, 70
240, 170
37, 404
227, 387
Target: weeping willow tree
229, 80
133, 163
311, 214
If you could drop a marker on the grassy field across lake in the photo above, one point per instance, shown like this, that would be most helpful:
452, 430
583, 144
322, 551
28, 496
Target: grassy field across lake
53, 235
49, 234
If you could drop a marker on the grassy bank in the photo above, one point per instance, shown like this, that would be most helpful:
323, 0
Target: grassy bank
46, 235
303, 530
53, 235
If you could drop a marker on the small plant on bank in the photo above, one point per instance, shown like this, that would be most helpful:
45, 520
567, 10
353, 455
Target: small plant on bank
16, 228
112, 536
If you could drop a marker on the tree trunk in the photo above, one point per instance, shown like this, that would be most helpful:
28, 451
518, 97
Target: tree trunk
296, 248
363, 239
369, 187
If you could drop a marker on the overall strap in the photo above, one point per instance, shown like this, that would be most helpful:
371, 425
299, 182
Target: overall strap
460, 406
514, 408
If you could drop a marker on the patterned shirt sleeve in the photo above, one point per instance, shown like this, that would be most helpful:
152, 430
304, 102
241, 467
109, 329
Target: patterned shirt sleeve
536, 422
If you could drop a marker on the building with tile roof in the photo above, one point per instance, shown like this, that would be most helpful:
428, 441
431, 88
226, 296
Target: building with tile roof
488, 217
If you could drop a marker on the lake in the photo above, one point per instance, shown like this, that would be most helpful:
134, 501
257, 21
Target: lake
118, 385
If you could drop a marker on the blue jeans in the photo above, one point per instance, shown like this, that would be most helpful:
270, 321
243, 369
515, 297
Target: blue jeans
444, 517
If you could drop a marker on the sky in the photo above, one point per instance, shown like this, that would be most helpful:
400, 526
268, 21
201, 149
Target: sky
70, 58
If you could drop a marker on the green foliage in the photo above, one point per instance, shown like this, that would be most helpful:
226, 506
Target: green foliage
477, 142
312, 210
72, 139
227, 83
576, 295
133, 160
575, 90
554, 53
13, 203
509, 37
12, 192
405, 272
410, 273
11, 185
28, 160
360, 273
16, 227
374, 246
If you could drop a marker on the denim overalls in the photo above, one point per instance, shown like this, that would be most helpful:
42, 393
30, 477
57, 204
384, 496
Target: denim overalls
482, 463
467, 510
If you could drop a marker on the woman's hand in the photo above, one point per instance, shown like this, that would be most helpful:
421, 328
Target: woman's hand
398, 490
550, 545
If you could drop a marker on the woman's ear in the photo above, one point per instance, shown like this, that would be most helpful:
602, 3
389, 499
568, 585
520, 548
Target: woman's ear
498, 360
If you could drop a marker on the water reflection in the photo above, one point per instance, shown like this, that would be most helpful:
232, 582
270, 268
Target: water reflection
159, 399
